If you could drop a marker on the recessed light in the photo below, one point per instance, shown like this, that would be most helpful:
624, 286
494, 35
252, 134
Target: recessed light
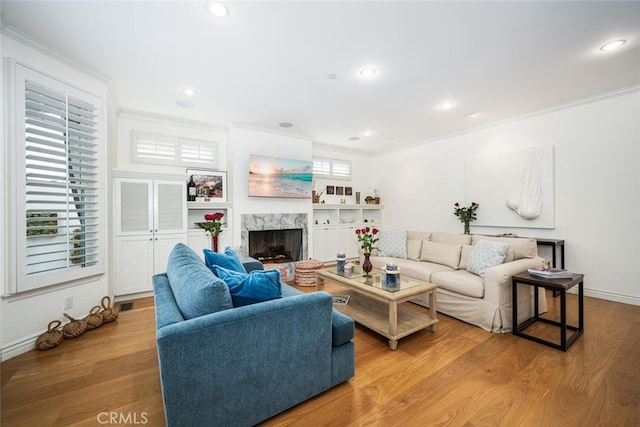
447, 105
367, 73
354, 138
471, 115
285, 125
613, 45
185, 103
218, 9
332, 76
368, 133
189, 91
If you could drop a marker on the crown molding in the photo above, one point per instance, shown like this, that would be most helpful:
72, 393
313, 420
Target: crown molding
554, 109
49, 51
173, 120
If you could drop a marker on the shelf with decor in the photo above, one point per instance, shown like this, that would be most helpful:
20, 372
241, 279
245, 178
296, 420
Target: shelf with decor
335, 225
198, 238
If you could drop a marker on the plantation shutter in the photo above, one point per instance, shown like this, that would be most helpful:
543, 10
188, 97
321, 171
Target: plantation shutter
193, 152
170, 150
341, 169
331, 168
321, 167
59, 237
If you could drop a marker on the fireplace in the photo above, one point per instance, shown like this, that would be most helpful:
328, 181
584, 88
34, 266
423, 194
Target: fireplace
276, 221
276, 246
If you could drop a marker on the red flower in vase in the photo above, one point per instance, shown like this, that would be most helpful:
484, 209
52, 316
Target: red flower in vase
367, 238
213, 224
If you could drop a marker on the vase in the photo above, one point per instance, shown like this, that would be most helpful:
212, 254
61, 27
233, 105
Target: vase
466, 228
366, 265
214, 243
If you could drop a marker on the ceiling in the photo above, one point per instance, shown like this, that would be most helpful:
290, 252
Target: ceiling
268, 62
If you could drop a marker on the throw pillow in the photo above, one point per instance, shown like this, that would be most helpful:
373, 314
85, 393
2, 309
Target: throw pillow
392, 243
413, 249
228, 259
245, 289
196, 290
441, 253
486, 254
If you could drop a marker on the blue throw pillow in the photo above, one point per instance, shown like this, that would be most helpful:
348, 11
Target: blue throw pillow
245, 289
196, 289
229, 260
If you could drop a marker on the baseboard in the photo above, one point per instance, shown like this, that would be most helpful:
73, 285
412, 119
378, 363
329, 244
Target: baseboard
17, 348
609, 296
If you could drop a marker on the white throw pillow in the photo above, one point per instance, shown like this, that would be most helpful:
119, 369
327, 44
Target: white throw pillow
413, 249
441, 253
392, 243
486, 254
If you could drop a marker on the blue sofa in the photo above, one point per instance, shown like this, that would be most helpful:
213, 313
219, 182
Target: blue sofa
239, 366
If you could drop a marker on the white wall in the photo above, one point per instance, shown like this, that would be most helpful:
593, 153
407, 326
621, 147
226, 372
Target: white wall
360, 176
246, 141
25, 316
597, 186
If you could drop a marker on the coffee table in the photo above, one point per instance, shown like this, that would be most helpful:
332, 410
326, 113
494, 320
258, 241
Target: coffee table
376, 306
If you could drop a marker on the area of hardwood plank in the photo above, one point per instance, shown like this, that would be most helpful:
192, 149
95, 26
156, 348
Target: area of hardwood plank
459, 375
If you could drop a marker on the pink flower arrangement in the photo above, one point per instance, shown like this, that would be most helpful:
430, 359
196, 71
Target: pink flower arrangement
367, 238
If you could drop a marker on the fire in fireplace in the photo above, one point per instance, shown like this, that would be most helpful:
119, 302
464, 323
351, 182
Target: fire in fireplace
276, 246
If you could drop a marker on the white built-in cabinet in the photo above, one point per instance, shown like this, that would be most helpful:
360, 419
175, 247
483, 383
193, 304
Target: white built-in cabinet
334, 228
150, 218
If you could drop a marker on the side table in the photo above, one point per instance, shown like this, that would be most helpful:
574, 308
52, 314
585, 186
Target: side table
557, 285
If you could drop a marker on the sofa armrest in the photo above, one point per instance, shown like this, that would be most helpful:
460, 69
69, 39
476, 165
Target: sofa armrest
498, 277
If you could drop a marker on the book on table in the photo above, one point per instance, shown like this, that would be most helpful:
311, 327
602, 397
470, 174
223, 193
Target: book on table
341, 299
554, 273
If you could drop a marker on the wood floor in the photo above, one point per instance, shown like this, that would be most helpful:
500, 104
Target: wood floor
460, 375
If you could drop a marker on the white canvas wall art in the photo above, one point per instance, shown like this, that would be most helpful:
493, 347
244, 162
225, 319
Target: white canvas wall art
514, 189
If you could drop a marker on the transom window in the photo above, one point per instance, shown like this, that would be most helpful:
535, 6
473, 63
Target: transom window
331, 168
171, 150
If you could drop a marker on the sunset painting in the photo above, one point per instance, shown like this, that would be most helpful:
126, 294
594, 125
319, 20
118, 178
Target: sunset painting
278, 177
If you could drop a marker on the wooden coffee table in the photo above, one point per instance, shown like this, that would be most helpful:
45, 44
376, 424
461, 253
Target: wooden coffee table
377, 307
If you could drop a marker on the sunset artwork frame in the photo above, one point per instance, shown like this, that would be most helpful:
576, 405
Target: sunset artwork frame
280, 177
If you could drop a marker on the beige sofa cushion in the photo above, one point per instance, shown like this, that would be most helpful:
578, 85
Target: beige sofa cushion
460, 282
451, 238
464, 256
522, 247
413, 249
418, 235
441, 253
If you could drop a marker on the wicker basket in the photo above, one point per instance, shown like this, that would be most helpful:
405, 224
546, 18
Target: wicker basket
109, 313
94, 318
74, 328
52, 338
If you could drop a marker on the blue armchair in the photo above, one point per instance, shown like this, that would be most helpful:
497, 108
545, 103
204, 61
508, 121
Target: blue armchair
242, 365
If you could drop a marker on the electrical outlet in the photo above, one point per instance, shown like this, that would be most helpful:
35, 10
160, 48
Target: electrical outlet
68, 302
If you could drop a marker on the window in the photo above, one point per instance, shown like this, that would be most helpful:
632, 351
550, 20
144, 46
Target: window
171, 150
331, 168
58, 171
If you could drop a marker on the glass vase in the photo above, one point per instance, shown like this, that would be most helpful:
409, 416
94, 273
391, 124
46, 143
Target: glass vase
214, 243
466, 228
366, 265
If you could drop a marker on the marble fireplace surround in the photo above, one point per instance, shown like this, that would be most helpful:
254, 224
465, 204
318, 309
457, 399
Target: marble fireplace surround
284, 221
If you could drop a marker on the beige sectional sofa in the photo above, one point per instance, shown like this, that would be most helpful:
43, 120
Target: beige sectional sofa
482, 300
